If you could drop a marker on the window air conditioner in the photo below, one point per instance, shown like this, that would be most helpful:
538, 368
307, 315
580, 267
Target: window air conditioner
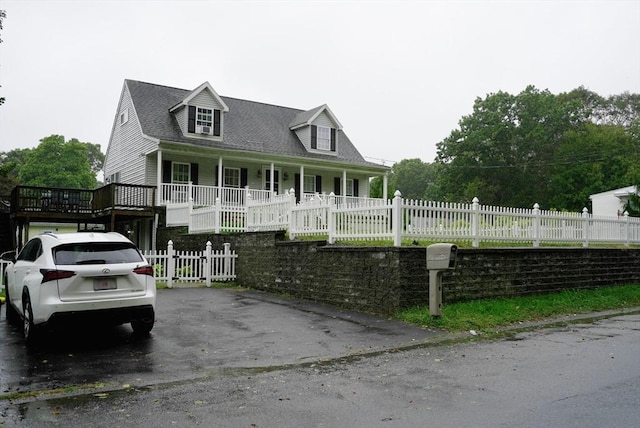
204, 129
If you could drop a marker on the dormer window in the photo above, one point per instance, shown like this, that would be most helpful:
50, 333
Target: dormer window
204, 120
323, 138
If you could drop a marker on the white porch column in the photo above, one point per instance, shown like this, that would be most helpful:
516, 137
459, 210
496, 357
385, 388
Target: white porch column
301, 195
344, 185
220, 175
385, 184
159, 177
272, 176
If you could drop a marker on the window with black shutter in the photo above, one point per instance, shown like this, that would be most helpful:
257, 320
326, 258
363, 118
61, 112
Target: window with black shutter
314, 137
216, 123
191, 123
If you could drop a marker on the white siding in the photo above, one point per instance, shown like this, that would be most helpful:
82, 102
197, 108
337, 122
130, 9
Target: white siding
182, 117
323, 119
127, 146
206, 100
151, 170
610, 203
304, 135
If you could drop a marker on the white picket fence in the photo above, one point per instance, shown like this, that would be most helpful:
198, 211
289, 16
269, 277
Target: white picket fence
398, 219
193, 266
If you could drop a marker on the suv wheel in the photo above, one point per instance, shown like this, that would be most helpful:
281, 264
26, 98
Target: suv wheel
143, 326
12, 315
28, 328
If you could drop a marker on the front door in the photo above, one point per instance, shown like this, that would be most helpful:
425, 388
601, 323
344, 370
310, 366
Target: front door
267, 180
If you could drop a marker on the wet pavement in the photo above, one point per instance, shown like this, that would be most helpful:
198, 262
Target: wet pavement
198, 331
234, 358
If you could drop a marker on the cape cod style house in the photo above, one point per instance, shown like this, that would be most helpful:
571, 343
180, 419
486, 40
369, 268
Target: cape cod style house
197, 144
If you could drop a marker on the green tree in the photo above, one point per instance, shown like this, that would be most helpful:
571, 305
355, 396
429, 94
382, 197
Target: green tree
56, 163
632, 207
591, 159
516, 150
95, 157
412, 177
10, 164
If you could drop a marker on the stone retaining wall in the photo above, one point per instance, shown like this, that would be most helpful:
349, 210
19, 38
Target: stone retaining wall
385, 279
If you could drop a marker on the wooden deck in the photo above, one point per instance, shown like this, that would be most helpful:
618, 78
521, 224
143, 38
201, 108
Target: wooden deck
102, 205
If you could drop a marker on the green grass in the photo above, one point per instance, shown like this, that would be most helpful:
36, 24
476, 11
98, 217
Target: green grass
486, 315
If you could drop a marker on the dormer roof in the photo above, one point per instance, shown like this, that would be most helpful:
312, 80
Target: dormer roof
306, 118
206, 86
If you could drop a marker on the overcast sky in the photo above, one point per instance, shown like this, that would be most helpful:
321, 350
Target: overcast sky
398, 75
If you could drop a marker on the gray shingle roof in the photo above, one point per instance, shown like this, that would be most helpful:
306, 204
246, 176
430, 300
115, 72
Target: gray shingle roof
248, 126
303, 117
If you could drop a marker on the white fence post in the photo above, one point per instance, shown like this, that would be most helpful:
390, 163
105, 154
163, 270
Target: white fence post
396, 219
475, 222
190, 213
292, 195
585, 227
171, 264
227, 260
627, 230
536, 225
331, 228
247, 212
217, 214
207, 264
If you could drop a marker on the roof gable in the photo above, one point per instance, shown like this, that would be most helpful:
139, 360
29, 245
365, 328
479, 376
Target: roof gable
306, 118
206, 86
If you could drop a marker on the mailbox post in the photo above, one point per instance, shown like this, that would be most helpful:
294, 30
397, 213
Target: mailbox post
440, 257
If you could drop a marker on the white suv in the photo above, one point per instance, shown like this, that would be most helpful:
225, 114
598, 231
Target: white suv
85, 277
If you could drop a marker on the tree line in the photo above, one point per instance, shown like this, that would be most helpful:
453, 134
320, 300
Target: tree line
533, 147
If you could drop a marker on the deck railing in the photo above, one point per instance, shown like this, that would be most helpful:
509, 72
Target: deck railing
79, 201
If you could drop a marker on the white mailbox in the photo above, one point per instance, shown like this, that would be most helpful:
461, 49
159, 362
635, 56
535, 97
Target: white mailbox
440, 257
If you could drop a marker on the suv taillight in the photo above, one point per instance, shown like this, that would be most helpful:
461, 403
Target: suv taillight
54, 274
144, 270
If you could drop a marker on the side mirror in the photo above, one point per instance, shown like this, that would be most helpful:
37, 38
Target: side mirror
9, 256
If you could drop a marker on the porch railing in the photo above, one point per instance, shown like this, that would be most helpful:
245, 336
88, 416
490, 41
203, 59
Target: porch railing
206, 196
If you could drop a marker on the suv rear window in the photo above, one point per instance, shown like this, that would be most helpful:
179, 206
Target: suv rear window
91, 253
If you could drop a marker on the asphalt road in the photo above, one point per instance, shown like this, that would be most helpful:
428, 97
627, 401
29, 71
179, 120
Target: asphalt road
233, 358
